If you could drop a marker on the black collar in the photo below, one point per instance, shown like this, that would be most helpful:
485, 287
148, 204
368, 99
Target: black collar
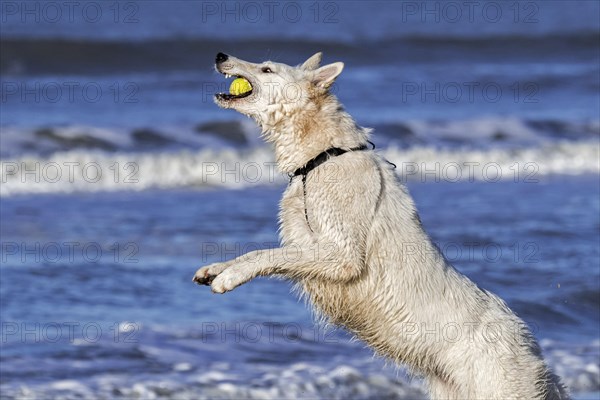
322, 157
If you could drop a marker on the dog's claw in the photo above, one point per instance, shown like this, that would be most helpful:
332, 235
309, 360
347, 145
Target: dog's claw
204, 280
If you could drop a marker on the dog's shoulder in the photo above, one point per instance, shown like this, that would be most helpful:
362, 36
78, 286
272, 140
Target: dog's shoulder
352, 179
356, 167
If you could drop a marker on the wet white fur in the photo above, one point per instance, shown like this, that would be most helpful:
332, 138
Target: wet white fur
367, 264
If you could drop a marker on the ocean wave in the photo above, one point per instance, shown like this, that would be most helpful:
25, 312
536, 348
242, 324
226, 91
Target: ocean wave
577, 365
230, 168
46, 140
481, 133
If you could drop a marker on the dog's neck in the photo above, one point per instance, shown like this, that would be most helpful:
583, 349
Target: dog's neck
300, 135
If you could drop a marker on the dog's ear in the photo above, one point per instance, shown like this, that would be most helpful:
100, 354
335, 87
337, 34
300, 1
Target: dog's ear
325, 76
313, 62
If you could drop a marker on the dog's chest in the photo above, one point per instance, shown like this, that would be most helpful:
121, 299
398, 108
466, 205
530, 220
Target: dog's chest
292, 217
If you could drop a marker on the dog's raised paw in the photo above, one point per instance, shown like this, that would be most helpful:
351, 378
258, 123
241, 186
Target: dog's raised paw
226, 282
203, 277
220, 286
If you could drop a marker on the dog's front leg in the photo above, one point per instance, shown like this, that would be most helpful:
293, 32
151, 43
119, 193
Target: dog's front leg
321, 262
205, 275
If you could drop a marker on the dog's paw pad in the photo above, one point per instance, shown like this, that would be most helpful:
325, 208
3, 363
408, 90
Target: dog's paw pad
204, 278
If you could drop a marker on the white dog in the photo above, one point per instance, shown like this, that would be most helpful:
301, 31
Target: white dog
353, 242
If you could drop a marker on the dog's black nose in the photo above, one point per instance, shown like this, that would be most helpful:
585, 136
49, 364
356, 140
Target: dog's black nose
221, 57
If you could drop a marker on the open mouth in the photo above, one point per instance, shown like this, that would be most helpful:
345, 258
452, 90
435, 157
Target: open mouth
239, 88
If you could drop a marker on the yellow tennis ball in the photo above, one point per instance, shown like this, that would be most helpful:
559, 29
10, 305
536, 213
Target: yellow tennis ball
240, 86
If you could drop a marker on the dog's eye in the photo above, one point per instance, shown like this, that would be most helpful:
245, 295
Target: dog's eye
266, 70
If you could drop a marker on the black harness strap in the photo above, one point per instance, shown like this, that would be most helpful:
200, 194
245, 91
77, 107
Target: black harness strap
314, 163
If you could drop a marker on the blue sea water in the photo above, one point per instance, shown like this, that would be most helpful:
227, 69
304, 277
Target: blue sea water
115, 191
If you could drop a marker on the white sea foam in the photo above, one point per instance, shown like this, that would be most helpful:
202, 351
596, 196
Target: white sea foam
578, 367
519, 165
94, 171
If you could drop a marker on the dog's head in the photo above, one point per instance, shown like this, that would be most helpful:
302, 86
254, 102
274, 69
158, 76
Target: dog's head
275, 90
